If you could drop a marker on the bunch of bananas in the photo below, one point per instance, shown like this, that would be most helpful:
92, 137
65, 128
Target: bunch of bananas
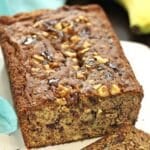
139, 14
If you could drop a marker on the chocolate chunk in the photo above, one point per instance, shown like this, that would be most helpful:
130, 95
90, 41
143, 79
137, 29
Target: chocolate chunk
29, 40
53, 81
49, 23
108, 76
46, 54
52, 126
113, 66
74, 97
90, 62
100, 67
85, 31
59, 34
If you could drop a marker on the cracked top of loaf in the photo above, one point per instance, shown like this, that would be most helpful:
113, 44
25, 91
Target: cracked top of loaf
64, 55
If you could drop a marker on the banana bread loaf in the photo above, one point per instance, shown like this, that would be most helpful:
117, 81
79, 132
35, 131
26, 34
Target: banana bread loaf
126, 137
69, 77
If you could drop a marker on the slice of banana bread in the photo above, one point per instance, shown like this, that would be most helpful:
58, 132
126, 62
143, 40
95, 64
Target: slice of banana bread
126, 137
69, 77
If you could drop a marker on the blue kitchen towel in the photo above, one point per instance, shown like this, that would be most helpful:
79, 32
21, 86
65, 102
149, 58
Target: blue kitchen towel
10, 7
8, 118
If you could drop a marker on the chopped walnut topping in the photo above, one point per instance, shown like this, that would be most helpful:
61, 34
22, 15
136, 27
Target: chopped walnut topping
35, 61
49, 71
115, 89
86, 44
97, 86
75, 67
38, 57
58, 26
80, 75
38, 24
65, 24
75, 60
54, 64
45, 34
46, 66
90, 81
100, 59
61, 101
68, 27
87, 66
84, 51
65, 109
63, 91
35, 69
88, 24
81, 19
65, 45
75, 38
103, 91
69, 53
54, 37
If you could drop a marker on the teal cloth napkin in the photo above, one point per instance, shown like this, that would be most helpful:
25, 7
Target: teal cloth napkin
8, 118
10, 7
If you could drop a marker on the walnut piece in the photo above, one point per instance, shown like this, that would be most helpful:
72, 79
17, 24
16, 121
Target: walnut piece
75, 38
38, 57
103, 91
46, 66
61, 101
63, 91
81, 19
100, 59
80, 75
86, 44
69, 53
58, 26
45, 34
75, 67
65, 45
84, 51
35, 69
97, 86
115, 89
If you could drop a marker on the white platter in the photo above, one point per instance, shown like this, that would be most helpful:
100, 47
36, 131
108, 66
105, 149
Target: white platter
139, 58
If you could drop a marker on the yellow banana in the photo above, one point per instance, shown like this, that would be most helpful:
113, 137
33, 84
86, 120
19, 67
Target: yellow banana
139, 14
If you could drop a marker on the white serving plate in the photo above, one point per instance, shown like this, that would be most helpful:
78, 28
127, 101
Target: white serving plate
139, 58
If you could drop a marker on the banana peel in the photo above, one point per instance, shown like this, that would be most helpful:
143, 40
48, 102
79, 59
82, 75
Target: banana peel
139, 15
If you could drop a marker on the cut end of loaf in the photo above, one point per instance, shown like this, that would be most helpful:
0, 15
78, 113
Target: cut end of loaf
89, 118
